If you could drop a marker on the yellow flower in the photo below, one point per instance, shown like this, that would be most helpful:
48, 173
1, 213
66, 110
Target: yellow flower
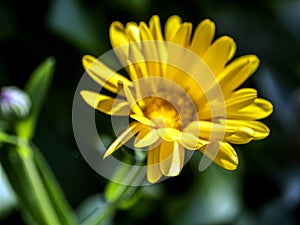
181, 93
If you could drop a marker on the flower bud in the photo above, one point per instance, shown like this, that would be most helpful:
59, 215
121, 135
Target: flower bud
14, 103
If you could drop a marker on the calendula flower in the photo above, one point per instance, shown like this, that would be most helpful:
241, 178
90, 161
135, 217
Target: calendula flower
174, 109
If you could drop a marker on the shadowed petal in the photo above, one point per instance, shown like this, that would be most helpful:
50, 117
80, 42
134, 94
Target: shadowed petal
153, 169
145, 137
171, 158
222, 154
106, 104
103, 75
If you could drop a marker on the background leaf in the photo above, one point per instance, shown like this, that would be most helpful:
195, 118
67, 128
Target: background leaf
37, 88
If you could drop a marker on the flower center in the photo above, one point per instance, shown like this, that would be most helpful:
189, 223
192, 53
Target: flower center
170, 110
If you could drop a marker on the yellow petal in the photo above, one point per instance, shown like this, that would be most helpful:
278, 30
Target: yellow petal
261, 131
256, 129
117, 34
171, 27
169, 134
106, 104
209, 130
237, 72
133, 128
259, 109
103, 75
145, 137
171, 158
219, 53
204, 34
222, 154
142, 119
150, 51
243, 136
132, 102
118, 38
240, 99
137, 57
133, 32
153, 168
191, 142
155, 28
183, 35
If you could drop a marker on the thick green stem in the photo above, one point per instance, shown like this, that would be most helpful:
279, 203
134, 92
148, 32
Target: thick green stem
43, 202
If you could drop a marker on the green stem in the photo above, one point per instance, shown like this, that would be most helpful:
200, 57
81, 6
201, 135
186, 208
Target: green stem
43, 202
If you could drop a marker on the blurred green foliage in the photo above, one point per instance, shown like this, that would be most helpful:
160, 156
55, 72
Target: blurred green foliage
266, 187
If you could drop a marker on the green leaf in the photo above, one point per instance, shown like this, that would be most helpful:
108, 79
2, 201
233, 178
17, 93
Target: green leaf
37, 88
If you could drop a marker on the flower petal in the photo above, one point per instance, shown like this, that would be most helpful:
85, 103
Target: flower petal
155, 28
209, 130
256, 129
150, 51
191, 142
132, 31
132, 102
153, 165
169, 134
145, 137
171, 27
222, 154
240, 99
103, 75
137, 57
243, 136
133, 128
106, 104
204, 34
118, 37
142, 119
237, 72
171, 158
219, 53
183, 35
259, 109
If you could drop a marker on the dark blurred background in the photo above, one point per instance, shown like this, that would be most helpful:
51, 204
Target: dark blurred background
266, 187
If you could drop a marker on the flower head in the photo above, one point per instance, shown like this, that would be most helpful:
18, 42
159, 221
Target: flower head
181, 93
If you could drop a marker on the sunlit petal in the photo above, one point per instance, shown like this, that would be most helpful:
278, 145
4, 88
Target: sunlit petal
219, 53
204, 34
